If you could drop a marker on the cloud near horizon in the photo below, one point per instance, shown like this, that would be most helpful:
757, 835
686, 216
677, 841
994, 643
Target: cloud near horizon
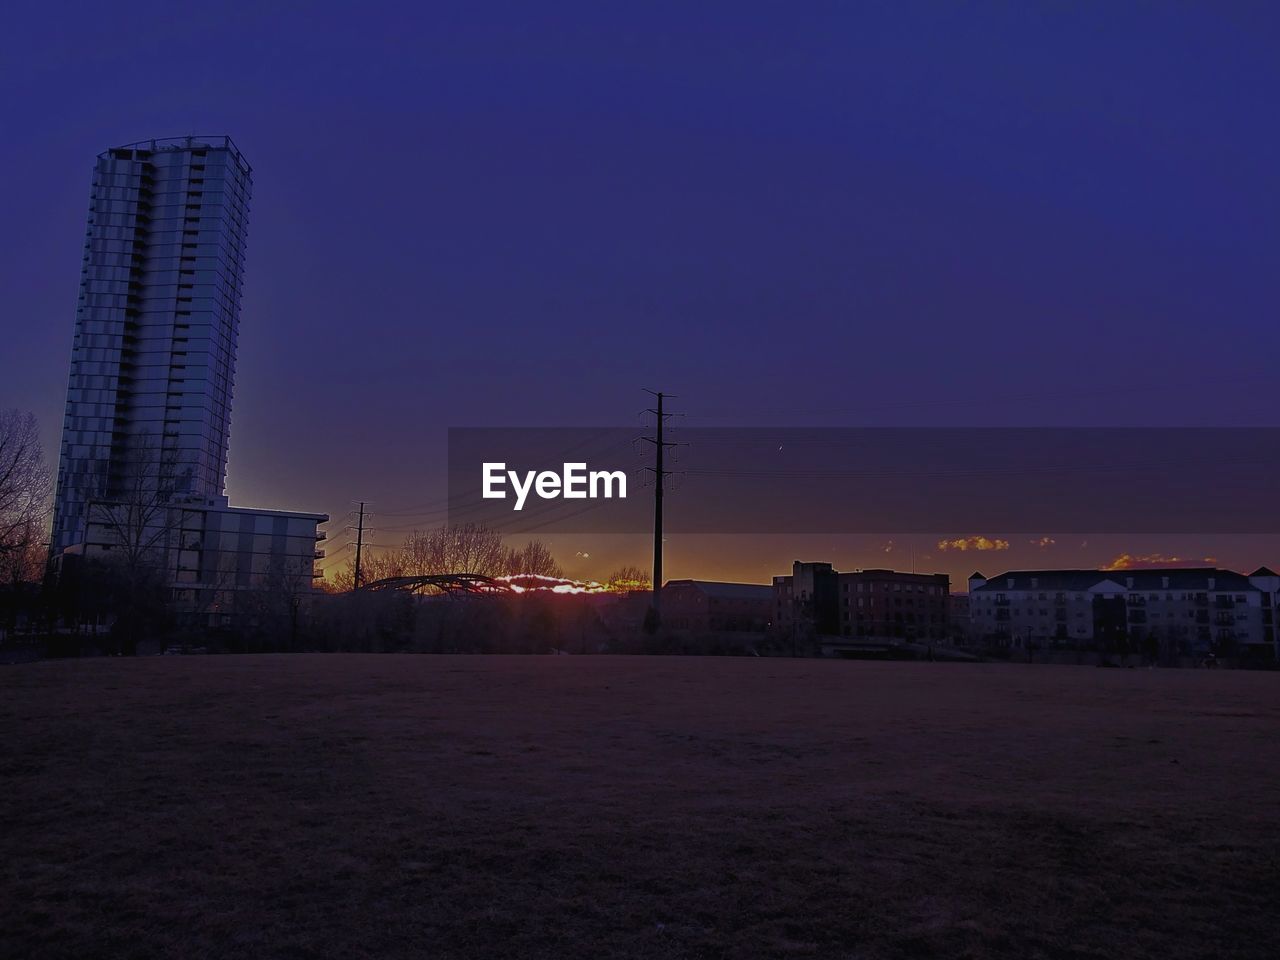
1127, 561
973, 543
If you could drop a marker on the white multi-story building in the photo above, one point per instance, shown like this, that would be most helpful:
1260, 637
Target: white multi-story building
1189, 611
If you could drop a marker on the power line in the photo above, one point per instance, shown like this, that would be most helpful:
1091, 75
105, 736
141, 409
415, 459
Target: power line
530, 528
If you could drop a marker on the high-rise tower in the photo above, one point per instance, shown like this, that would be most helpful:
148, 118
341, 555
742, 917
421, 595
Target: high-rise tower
153, 360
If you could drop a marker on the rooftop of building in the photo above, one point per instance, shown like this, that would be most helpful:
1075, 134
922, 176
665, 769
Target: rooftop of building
722, 590
223, 505
1154, 578
218, 141
870, 572
886, 572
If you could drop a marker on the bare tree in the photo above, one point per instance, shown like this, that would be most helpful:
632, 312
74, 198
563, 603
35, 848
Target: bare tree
138, 516
464, 548
138, 520
288, 586
374, 566
271, 610
24, 496
341, 580
533, 559
629, 578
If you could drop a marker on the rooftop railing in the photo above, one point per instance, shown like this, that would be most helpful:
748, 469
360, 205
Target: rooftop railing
193, 142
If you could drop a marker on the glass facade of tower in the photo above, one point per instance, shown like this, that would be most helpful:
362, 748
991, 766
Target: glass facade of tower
153, 359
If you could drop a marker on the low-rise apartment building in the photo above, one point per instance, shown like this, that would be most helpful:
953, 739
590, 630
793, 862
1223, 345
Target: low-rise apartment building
1182, 611
221, 563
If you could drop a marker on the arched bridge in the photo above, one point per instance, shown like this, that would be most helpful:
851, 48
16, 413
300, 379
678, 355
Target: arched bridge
454, 584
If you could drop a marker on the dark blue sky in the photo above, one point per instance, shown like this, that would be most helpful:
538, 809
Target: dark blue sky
516, 213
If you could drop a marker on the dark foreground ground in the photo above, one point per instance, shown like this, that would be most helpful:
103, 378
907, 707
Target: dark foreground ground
597, 807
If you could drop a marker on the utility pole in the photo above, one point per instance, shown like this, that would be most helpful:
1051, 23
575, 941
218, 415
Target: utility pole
359, 544
660, 474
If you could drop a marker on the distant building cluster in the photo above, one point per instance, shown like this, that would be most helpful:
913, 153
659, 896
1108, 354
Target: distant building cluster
1165, 614
144, 443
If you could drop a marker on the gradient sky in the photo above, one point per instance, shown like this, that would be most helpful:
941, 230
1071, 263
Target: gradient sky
818, 213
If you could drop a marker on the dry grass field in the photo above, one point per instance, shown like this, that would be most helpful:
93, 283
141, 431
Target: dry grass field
607, 807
